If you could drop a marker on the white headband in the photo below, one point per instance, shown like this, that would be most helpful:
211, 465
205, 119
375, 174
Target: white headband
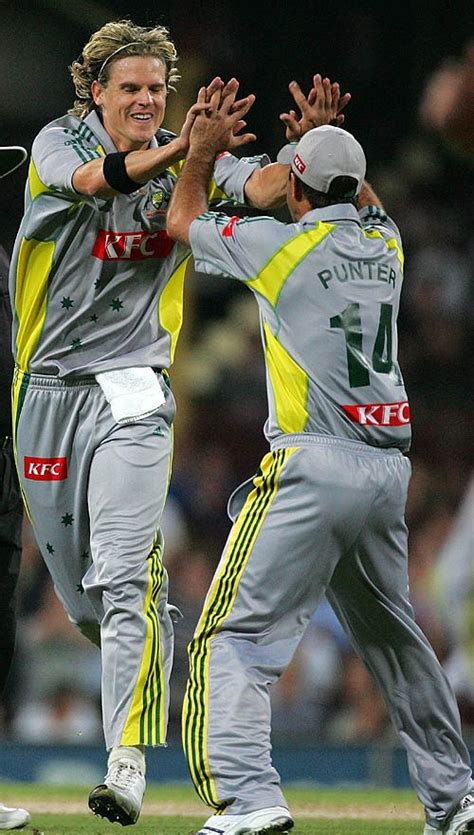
119, 49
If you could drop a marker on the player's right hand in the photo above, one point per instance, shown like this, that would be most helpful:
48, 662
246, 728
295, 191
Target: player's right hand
322, 106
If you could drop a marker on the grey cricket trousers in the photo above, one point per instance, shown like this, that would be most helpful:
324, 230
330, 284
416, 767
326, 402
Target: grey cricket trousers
94, 491
322, 515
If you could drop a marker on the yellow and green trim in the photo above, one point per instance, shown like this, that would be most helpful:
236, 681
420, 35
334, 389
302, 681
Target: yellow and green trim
170, 305
271, 279
35, 262
391, 243
21, 381
289, 385
35, 183
147, 717
219, 603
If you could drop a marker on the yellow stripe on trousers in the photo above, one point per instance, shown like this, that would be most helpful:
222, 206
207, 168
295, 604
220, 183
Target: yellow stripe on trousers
146, 721
21, 380
219, 603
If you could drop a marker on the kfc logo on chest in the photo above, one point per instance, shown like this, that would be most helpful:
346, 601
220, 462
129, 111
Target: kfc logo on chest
45, 469
131, 246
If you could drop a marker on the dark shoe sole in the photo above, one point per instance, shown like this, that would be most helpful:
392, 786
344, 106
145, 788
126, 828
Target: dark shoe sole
103, 803
282, 828
279, 829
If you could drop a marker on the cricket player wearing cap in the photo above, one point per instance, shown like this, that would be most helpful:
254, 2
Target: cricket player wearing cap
10, 504
325, 512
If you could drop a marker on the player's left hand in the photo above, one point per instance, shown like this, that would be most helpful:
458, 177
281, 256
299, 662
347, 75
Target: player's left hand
201, 104
322, 106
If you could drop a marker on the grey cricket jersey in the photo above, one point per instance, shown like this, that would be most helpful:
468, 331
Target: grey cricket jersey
98, 284
328, 290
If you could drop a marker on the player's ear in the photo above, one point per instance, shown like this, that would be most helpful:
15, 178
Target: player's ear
295, 186
96, 90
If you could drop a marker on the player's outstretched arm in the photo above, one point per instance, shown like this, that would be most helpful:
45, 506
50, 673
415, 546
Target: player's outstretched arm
141, 166
217, 129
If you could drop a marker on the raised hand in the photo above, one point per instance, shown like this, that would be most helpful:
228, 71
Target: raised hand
220, 118
200, 105
322, 106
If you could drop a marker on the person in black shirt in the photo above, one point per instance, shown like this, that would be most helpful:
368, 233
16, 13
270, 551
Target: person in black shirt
10, 498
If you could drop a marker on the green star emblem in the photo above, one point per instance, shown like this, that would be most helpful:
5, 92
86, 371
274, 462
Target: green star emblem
98, 283
85, 555
158, 431
49, 548
67, 519
93, 318
75, 344
66, 302
79, 588
116, 304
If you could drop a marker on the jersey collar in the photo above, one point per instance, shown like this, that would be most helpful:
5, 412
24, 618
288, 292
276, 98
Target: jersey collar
338, 212
93, 122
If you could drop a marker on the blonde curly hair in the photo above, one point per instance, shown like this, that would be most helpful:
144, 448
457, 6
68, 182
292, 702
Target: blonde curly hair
124, 38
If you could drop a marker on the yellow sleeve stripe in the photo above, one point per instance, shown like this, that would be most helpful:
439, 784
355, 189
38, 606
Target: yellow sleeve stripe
36, 186
270, 280
391, 243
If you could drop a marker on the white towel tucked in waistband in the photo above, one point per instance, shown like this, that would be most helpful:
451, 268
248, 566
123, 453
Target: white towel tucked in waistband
133, 393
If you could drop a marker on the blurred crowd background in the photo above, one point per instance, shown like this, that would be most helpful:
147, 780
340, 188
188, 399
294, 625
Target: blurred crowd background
386, 58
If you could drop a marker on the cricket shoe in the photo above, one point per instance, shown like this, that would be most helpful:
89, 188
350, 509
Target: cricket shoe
461, 821
13, 818
275, 819
120, 797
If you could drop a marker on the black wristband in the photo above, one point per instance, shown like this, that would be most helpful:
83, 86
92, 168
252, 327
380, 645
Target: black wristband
116, 175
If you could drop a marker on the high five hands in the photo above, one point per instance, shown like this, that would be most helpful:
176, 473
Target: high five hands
323, 106
219, 118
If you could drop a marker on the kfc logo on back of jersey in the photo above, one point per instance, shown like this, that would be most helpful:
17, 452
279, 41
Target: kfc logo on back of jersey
380, 414
45, 469
131, 246
299, 164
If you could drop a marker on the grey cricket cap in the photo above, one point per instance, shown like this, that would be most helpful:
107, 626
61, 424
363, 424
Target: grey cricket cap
325, 153
11, 156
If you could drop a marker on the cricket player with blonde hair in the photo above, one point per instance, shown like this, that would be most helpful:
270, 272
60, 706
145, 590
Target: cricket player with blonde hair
97, 289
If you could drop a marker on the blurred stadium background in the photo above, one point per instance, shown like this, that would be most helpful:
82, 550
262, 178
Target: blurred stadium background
383, 54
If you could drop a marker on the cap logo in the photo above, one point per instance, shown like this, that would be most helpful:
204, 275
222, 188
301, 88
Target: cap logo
299, 164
